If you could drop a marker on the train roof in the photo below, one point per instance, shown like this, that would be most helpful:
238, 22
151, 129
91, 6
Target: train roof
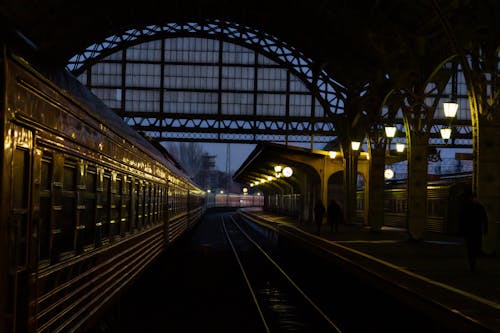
77, 91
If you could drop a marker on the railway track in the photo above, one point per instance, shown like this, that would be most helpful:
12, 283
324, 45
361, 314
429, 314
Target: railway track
281, 303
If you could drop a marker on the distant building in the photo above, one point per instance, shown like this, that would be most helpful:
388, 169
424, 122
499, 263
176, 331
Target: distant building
208, 177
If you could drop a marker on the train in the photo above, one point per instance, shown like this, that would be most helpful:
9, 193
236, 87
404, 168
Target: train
444, 197
87, 204
443, 202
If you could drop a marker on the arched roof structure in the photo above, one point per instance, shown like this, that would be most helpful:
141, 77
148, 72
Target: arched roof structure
237, 84
370, 48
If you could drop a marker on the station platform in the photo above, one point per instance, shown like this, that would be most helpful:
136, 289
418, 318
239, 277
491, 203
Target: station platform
433, 274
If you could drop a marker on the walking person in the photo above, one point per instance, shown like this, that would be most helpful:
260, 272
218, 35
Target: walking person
319, 213
474, 223
334, 215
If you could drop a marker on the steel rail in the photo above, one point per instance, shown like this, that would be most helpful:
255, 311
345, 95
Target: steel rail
288, 278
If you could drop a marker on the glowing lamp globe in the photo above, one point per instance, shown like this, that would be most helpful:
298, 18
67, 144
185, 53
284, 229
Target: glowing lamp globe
287, 172
450, 109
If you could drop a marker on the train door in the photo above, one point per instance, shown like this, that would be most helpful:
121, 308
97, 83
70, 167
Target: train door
17, 230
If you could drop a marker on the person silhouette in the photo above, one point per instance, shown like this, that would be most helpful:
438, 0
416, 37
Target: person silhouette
334, 215
474, 223
319, 212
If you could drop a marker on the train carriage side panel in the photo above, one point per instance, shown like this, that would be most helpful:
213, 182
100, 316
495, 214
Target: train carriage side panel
15, 214
95, 219
5, 298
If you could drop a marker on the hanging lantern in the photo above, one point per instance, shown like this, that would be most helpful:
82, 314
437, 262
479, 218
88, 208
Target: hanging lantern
390, 131
450, 109
445, 133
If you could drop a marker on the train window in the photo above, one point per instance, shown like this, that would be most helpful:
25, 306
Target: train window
88, 214
125, 204
66, 238
176, 200
105, 205
158, 204
147, 203
170, 200
45, 204
131, 205
154, 205
159, 194
165, 203
20, 203
115, 205
139, 199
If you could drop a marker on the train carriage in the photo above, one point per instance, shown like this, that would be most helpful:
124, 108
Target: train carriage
87, 204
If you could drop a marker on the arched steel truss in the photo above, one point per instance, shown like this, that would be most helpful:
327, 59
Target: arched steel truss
328, 96
164, 124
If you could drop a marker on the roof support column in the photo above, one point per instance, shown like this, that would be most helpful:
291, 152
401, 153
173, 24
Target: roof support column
418, 117
350, 179
484, 98
417, 183
375, 187
486, 179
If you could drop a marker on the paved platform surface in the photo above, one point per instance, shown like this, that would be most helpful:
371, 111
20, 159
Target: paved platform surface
435, 268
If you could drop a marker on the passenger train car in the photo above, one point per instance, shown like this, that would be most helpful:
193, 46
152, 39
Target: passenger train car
87, 204
443, 202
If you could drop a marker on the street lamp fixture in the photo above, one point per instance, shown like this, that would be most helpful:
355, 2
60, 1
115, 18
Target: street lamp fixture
400, 147
388, 173
390, 131
445, 133
450, 109
287, 172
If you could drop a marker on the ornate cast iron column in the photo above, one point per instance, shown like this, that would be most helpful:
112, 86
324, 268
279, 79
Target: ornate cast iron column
417, 118
376, 184
350, 178
485, 104
480, 65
